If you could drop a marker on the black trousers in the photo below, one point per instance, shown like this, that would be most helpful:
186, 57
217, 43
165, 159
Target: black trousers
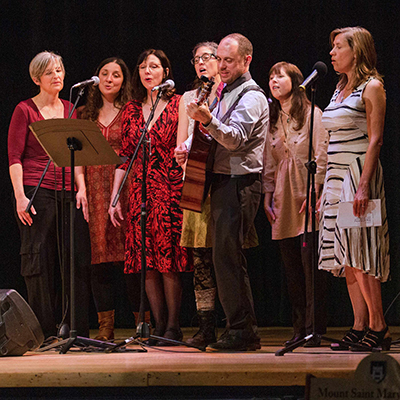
234, 204
298, 268
40, 262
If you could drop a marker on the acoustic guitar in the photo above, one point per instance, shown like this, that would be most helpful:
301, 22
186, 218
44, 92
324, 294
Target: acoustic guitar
193, 192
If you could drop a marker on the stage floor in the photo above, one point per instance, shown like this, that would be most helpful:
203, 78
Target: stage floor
183, 367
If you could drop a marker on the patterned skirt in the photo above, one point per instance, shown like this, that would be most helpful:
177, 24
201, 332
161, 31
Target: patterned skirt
366, 249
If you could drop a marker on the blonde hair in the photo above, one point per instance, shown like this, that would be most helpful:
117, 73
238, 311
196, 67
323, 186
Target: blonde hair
361, 42
41, 61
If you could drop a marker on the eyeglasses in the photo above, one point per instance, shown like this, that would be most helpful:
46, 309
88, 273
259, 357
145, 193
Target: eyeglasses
204, 57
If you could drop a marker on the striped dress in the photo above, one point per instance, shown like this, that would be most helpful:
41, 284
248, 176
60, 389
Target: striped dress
366, 249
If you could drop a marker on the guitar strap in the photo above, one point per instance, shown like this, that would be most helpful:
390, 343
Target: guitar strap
210, 159
240, 95
213, 146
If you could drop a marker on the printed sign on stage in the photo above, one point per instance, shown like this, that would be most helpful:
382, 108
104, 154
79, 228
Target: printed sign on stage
376, 377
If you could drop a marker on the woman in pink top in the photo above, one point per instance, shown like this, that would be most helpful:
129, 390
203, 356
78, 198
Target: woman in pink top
285, 188
40, 228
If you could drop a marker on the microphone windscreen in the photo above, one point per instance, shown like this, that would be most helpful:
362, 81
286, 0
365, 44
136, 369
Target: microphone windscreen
171, 83
96, 80
321, 68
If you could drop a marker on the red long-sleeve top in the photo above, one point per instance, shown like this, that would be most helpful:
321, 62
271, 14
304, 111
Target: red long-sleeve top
24, 149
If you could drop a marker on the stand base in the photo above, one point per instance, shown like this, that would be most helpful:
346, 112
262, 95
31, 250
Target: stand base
80, 341
143, 333
300, 343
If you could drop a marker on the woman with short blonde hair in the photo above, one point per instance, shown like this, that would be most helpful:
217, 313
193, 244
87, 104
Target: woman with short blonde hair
40, 226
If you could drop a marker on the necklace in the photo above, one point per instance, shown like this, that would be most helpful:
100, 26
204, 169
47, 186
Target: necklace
150, 106
287, 115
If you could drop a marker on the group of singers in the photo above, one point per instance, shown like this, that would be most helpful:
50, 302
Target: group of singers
259, 145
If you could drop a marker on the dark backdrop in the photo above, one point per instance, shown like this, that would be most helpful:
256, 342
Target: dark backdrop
86, 31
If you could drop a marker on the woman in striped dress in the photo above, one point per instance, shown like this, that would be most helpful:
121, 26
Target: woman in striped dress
355, 121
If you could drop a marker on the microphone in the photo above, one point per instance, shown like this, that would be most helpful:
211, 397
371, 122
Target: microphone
167, 85
319, 71
93, 80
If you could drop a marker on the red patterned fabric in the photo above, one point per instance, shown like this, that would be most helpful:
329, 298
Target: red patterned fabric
108, 242
164, 186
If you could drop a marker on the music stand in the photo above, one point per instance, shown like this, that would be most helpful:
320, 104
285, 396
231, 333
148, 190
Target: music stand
61, 139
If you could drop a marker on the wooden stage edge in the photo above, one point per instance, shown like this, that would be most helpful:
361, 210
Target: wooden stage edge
181, 366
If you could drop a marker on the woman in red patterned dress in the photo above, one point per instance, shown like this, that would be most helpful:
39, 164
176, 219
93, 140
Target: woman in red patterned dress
104, 106
164, 256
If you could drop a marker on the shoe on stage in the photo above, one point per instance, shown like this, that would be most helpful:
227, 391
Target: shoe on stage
173, 334
351, 337
373, 341
231, 342
206, 333
153, 341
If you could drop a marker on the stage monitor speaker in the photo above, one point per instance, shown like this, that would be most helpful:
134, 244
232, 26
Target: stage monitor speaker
20, 330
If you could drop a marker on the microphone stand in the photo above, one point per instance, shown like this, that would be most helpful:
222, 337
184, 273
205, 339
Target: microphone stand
311, 166
143, 329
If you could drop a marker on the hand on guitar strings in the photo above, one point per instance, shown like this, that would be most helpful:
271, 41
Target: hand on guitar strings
199, 113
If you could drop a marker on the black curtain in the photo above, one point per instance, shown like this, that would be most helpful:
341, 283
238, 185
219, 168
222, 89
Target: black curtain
87, 31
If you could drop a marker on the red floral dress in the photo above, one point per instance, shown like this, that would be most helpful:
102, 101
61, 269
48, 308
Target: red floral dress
107, 241
164, 186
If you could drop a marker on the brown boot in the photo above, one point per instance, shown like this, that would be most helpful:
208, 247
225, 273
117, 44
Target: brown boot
206, 332
147, 318
106, 328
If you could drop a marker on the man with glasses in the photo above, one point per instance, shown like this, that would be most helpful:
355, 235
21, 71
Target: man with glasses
239, 125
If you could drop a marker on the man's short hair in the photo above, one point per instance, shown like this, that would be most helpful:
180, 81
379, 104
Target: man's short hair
245, 48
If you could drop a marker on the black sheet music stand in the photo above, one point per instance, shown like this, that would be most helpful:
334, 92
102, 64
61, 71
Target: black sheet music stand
71, 143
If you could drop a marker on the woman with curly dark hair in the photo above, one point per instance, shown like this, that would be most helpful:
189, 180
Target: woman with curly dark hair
165, 258
104, 107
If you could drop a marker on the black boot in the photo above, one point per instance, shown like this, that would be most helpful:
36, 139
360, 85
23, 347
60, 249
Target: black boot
206, 333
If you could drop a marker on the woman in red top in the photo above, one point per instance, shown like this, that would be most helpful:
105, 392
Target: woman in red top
104, 107
165, 258
40, 227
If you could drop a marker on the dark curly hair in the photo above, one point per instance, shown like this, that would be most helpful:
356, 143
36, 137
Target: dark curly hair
139, 92
95, 100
